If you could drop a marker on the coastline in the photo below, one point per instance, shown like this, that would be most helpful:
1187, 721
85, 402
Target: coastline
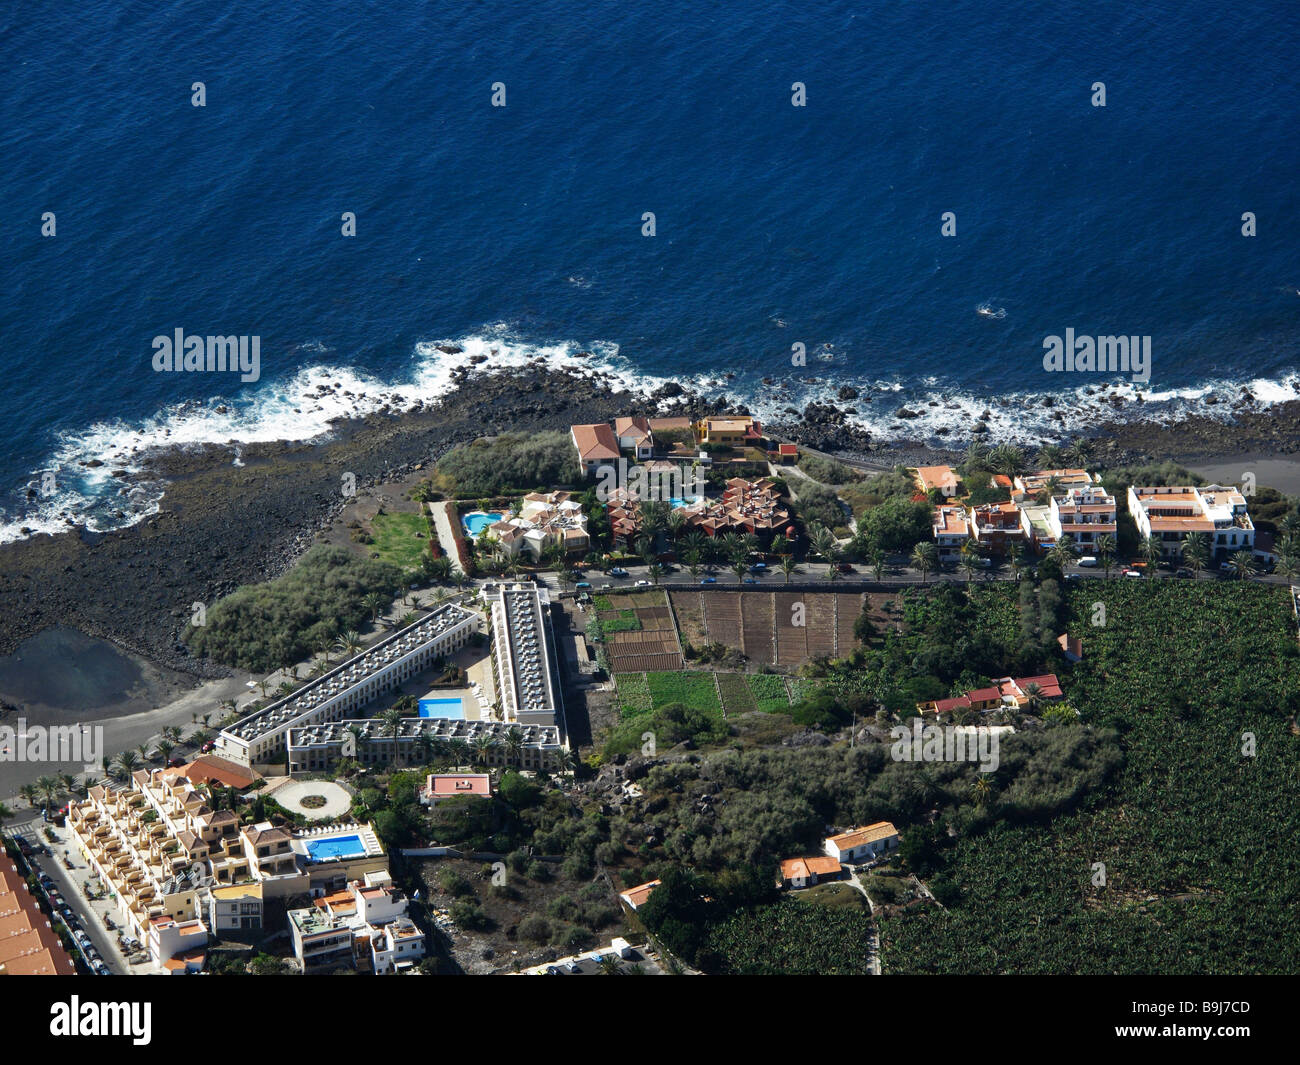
220, 525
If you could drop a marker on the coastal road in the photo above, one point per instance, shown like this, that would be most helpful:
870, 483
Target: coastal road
896, 573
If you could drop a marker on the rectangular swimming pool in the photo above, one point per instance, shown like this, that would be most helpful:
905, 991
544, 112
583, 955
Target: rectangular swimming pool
336, 847
452, 708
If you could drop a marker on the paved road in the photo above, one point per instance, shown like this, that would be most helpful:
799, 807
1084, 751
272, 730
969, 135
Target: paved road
69, 884
815, 572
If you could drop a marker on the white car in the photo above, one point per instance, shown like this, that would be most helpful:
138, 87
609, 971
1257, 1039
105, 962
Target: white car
1088, 560
642, 584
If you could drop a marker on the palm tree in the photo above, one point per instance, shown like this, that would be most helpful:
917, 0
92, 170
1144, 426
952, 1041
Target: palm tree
1079, 452
376, 604
5, 813
738, 568
1065, 552
29, 794
788, 566
1033, 697
480, 745
925, 556
125, 765
1242, 563
981, 788
514, 744
977, 456
1151, 549
1195, 549
1106, 552
878, 564
1050, 457
164, 749
349, 643
391, 720
48, 788
656, 571
1288, 559
823, 542
1019, 558
969, 563
1007, 459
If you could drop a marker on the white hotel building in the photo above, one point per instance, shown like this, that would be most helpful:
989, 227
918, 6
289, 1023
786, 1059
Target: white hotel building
262, 738
1170, 513
522, 654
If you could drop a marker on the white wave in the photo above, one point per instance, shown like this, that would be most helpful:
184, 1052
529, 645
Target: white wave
101, 480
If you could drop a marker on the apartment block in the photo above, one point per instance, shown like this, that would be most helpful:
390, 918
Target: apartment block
262, 738
1172, 513
364, 926
319, 748
1085, 514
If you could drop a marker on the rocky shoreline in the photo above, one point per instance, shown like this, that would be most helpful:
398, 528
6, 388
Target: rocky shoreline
222, 525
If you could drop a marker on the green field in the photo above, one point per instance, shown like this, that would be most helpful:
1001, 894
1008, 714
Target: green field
770, 694
736, 695
793, 937
401, 539
1193, 831
639, 693
632, 694
695, 690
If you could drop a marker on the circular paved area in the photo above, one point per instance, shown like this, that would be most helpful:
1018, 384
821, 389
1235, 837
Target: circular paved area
291, 796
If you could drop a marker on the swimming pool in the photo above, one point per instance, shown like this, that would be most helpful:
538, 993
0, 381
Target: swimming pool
323, 850
677, 502
478, 521
452, 708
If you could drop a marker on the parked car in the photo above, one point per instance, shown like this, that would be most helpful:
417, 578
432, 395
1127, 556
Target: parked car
583, 584
643, 583
750, 580
208, 747
845, 567
102, 970
709, 580
1088, 561
618, 571
1132, 573
758, 567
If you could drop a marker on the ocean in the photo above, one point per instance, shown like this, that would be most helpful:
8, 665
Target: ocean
516, 232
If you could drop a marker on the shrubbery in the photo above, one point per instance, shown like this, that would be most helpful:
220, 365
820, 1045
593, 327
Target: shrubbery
511, 461
261, 627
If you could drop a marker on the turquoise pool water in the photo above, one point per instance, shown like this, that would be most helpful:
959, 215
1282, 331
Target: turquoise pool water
453, 708
478, 521
338, 847
679, 501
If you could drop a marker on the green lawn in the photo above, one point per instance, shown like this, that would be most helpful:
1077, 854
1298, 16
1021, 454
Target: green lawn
401, 539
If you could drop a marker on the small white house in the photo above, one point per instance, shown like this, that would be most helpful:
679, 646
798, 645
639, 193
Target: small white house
862, 844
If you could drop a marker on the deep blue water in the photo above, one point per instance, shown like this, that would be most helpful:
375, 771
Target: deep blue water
520, 227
